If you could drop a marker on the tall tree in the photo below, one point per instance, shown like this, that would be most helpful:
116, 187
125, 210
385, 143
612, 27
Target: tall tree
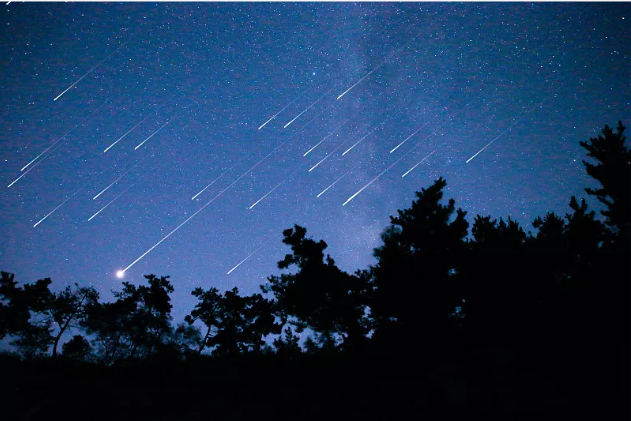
39, 317
319, 295
208, 311
66, 309
78, 348
34, 338
234, 324
610, 296
494, 290
259, 315
136, 324
418, 266
14, 311
185, 340
110, 324
613, 172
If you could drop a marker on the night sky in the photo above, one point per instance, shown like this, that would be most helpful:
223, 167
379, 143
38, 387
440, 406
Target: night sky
230, 97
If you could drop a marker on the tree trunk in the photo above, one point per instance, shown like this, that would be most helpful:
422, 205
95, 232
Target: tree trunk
55, 343
132, 354
115, 349
203, 345
63, 328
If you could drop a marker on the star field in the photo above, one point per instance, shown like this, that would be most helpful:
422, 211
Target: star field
171, 113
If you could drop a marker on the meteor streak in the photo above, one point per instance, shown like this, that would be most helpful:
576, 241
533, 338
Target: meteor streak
161, 127
17, 179
328, 155
345, 174
65, 201
217, 196
274, 116
142, 121
66, 134
392, 54
398, 160
126, 172
446, 108
269, 192
92, 69
371, 181
327, 136
371, 131
182, 224
115, 181
212, 182
359, 81
262, 159
360, 140
114, 199
408, 138
270, 154
152, 135
422, 160
198, 211
102, 209
306, 109
249, 255
510, 127
319, 162
381, 173
165, 237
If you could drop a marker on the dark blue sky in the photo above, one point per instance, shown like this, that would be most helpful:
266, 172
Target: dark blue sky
533, 78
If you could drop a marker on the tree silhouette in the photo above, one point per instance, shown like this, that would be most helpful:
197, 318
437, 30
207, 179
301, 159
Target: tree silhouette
78, 348
136, 323
608, 297
110, 323
207, 310
66, 309
186, 339
494, 291
613, 172
33, 338
288, 344
234, 324
416, 276
14, 311
319, 296
258, 314
497, 310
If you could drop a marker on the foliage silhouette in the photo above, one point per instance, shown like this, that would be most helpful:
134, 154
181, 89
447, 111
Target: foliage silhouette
613, 172
416, 278
319, 296
468, 310
135, 324
78, 348
494, 293
39, 317
14, 310
234, 324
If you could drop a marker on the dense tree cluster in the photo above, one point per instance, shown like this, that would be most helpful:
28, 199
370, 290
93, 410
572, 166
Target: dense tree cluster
435, 281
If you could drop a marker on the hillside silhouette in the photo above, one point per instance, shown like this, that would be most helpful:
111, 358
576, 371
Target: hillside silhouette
459, 318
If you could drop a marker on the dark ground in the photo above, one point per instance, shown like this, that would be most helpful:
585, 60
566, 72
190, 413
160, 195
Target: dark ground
492, 384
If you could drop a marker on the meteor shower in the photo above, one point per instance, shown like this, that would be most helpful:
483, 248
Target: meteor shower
315, 210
